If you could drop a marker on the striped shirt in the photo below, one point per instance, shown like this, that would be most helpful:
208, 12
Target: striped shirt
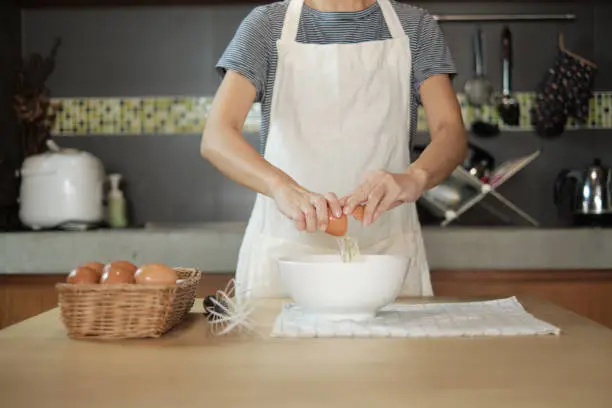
253, 54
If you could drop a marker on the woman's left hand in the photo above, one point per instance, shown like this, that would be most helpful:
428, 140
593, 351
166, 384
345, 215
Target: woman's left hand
382, 191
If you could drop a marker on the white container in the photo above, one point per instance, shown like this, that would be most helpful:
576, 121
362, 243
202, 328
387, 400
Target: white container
62, 189
326, 286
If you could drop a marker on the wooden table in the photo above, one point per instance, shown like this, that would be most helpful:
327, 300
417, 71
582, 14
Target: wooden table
40, 367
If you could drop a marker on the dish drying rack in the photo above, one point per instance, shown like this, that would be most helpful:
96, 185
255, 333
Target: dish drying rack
476, 191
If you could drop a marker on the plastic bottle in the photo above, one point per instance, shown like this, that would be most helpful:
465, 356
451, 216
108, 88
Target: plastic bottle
117, 217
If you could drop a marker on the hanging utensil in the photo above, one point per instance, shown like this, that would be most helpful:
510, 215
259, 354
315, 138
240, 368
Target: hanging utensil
478, 89
508, 107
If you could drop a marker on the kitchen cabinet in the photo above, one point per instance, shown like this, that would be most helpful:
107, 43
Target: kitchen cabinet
10, 141
585, 292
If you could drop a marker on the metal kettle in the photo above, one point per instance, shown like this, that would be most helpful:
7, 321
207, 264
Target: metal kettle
587, 191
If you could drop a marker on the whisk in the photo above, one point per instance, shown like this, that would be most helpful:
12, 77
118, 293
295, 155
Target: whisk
226, 311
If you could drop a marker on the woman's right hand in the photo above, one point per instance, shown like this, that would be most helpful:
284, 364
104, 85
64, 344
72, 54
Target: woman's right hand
309, 211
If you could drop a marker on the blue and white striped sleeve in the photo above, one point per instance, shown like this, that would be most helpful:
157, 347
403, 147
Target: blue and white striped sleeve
432, 56
249, 51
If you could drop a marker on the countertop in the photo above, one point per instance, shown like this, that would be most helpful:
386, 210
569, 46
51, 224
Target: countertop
189, 367
213, 247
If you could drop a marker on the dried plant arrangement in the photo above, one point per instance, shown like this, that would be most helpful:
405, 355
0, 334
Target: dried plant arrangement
32, 101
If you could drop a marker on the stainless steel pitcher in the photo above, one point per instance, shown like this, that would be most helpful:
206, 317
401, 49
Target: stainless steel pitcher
587, 191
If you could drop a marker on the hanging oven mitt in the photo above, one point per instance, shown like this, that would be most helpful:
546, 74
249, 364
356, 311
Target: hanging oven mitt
565, 92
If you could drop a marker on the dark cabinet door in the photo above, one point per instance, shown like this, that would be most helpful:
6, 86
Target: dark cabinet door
10, 147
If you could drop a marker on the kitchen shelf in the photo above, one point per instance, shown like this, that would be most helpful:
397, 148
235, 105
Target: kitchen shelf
474, 192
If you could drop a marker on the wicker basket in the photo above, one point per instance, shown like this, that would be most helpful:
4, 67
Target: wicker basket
126, 310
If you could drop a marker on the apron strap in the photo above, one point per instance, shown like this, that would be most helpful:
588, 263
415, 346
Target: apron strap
393, 22
292, 20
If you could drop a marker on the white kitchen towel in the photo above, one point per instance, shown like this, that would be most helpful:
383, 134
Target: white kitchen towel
502, 317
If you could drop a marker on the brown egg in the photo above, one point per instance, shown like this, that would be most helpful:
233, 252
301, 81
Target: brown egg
125, 265
83, 276
358, 213
337, 226
156, 274
96, 266
117, 274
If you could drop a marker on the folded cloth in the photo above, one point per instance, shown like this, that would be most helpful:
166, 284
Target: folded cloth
502, 317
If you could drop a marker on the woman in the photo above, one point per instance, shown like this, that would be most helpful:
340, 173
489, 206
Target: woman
339, 83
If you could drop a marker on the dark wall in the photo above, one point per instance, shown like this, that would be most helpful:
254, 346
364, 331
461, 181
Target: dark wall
10, 151
172, 51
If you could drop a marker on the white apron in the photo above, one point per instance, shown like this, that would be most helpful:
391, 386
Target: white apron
338, 111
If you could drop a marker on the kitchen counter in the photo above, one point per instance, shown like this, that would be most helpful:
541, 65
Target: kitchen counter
213, 247
189, 367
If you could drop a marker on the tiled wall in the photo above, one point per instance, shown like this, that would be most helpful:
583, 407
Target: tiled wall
150, 56
181, 115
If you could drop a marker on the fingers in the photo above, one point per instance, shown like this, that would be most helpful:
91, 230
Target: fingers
315, 213
334, 204
317, 210
386, 204
300, 221
357, 197
321, 212
379, 192
374, 199
308, 211
390, 198
313, 210
362, 193
310, 214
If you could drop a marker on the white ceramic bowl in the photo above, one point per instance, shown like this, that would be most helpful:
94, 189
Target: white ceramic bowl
324, 285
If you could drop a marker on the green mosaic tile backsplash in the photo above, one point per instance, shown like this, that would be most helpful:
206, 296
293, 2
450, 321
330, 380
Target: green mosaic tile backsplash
183, 115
